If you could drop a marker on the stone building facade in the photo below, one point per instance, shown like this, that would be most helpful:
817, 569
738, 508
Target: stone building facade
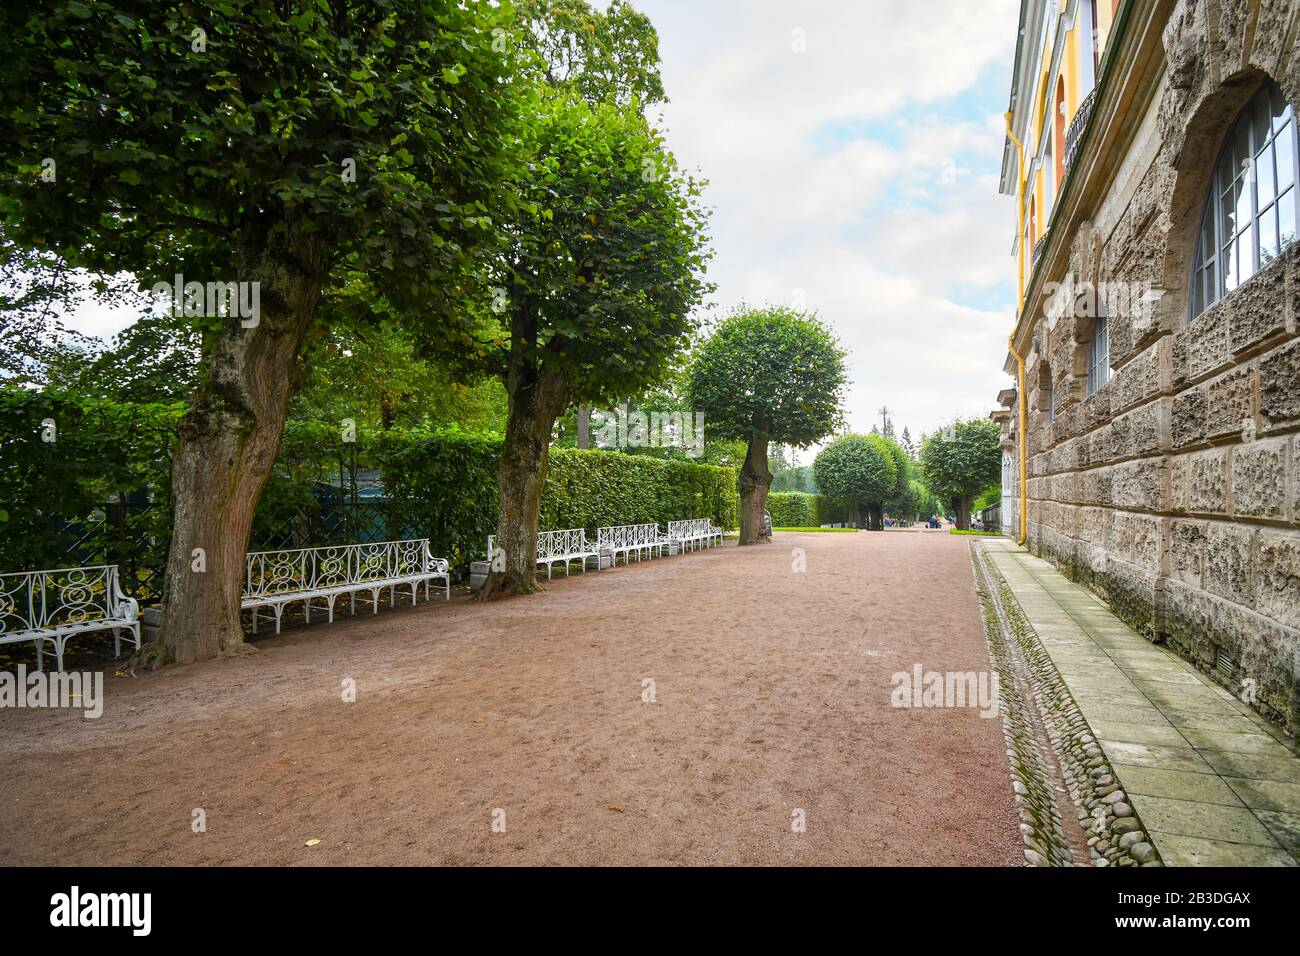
1158, 326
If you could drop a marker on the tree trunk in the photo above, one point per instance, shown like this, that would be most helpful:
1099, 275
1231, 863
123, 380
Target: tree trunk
536, 398
228, 441
963, 512
584, 426
755, 480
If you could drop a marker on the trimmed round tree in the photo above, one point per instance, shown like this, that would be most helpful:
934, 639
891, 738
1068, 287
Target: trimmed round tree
767, 375
858, 470
960, 461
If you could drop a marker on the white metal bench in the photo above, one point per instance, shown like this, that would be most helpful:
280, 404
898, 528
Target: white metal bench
60, 604
557, 547
694, 533
629, 539
275, 579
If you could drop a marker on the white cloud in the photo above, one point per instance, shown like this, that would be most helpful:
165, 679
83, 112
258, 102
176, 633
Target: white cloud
840, 172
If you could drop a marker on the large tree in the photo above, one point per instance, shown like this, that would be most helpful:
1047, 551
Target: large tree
959, 461
273, 145
594, 291
859, 470
767, 375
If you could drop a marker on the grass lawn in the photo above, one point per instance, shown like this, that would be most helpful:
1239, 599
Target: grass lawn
982, 534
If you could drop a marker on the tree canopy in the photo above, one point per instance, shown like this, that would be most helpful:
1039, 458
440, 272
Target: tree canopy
772, 373
858, 469
959, 461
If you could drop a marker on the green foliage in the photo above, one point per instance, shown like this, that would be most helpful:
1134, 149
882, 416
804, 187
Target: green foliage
440, 484
899, 495
831, 510
373, 373
790, 509
176, 159
987, 498
923, 500
611, 55
858, 469
93, 483
604, 260
155, 359
771, 373
962, 460
587, 489
812, 529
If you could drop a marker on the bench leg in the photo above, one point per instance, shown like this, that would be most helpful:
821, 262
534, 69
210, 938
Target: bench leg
278, 609
306, 605
329, 599
40, 653
59, 644
353, 596
446, 586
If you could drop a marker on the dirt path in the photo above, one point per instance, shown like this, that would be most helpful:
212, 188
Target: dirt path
772, 693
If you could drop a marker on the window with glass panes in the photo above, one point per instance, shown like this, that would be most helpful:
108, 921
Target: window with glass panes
1250, 214
1099, 356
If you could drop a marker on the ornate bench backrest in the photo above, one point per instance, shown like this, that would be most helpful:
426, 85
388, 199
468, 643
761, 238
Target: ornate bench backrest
309, 569
627, 535
557, 544
37, 599
689, 528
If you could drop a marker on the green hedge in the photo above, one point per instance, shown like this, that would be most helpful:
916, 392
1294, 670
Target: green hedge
831, 510
792, 509
100, 493
444, 488
797, 509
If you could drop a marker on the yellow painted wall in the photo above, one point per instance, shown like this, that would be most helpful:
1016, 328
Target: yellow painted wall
1074, 49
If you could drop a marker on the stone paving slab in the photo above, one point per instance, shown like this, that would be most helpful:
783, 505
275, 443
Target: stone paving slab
1213, 783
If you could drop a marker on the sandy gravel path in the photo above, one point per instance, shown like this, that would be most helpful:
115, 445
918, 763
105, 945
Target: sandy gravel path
771, 694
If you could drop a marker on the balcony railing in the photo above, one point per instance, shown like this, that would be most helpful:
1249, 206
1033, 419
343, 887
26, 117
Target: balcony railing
1077, 126
1037, 254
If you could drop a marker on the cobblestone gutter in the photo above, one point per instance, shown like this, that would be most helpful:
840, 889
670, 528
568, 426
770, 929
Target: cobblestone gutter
1049, 743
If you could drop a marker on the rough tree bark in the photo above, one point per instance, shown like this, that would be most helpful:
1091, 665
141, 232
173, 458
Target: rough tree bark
962, 503
536, 399
755, 480
228, 441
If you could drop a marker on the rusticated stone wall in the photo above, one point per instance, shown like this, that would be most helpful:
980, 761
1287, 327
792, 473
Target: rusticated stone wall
1174, 490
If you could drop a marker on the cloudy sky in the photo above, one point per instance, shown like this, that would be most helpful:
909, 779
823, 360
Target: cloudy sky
859, 176
852, 149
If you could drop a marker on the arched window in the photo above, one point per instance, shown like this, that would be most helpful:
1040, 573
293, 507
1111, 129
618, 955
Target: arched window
1099, 355
1251, 211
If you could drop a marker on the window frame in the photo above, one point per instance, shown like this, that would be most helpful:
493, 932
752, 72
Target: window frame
1099, 359
1208, 281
